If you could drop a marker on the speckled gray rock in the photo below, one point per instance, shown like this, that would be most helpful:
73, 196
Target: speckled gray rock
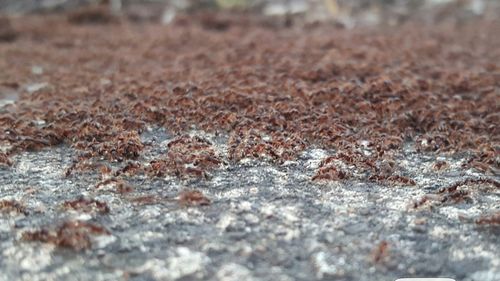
265, 222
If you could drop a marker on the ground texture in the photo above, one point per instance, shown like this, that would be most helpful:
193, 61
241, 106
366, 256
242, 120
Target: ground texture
225, 147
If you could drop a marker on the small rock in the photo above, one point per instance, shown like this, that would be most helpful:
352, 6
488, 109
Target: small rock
234, 272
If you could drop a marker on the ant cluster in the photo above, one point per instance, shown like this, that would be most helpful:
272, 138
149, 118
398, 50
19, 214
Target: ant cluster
75, 235
145, 200
185, 198
7, 33
121, 185
86, 205
454, 193
253, 143
193, 198
493, 219
9, 206
4, 160
186, 157
335, 168
440, 165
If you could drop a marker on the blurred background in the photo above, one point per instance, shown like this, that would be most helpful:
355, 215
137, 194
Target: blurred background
347, 13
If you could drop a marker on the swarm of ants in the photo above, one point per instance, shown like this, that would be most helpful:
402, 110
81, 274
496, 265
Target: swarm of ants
278, 99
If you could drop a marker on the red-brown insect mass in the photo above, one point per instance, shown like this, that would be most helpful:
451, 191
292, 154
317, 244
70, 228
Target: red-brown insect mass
186, 157
8, 206
457, 192
365, 95
193, 198
87, 205
70, 234
7, 33
491, 219
4, 160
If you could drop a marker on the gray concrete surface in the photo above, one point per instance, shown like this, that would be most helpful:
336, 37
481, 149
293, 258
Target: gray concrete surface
265, 222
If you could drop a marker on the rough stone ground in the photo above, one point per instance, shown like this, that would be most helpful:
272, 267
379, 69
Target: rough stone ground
267, 220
